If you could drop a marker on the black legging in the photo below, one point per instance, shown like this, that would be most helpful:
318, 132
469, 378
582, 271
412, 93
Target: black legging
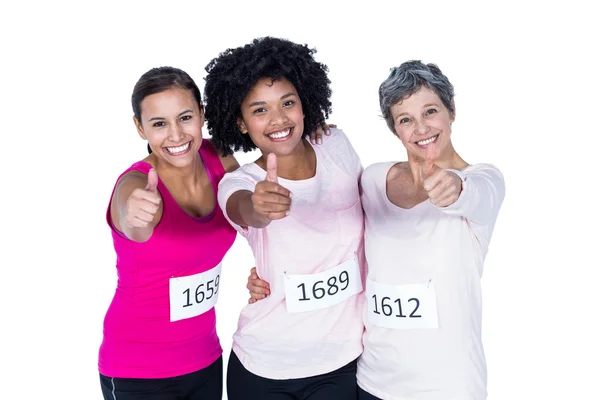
362, 395
336, 385
206, 384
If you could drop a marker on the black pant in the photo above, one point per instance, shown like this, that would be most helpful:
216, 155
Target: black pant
362, 395
206, 384
336, 385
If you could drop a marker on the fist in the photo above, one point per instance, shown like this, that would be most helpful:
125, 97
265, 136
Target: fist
442, 187
270, 200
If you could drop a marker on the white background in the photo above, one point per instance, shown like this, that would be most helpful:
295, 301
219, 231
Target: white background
526, 83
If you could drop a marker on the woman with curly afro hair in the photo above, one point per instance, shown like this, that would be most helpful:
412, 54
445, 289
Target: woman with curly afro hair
298, 205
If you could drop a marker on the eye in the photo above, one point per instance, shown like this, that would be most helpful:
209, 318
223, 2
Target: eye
403, 120
186, 117
289, 103
259, 110
430, 111
158, 124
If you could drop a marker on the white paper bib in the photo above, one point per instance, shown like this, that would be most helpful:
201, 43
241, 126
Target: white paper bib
410, 306
324, 289
190, 296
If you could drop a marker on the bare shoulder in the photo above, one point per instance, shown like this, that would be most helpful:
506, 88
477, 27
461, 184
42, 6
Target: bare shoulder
129, 182
229, 162
399, 171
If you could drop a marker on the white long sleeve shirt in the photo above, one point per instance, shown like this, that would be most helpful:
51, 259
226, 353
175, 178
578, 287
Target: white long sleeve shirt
443, 250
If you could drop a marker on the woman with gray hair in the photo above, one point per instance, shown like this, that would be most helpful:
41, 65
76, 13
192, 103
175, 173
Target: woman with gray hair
428, 224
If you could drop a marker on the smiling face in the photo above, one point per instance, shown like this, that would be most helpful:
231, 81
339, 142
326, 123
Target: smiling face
272, 116
171, 122
422, 119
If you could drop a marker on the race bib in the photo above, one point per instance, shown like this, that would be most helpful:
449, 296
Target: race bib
402, 306
190, 296
324, 289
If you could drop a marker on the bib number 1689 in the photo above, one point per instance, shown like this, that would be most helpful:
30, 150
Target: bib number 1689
320, 289
323, 289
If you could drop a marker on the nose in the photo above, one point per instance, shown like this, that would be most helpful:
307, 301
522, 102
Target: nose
421, 127
278, 117
175, 132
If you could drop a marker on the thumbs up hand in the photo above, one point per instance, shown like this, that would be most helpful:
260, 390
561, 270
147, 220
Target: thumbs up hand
142, 204
442, 187
270, 200
152, 181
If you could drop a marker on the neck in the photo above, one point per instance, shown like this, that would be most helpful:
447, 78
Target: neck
298, 165
186, 176
449, 158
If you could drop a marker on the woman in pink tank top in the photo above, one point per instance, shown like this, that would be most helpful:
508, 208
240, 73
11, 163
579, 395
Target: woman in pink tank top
169, 234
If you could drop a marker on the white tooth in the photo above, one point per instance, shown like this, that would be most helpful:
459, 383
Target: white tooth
178, 149
424, 142
279, 135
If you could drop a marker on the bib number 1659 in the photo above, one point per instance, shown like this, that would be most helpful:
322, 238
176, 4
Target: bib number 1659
192, 295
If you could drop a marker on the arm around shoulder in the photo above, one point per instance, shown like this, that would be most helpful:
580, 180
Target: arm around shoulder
229, 162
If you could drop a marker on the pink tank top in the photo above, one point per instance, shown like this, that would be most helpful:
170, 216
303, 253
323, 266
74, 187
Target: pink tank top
140, 341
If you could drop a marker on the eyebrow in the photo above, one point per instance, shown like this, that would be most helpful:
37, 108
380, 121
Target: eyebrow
260, 103
161, 118
424, 106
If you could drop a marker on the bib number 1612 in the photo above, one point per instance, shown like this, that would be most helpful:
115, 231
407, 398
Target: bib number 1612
410, 306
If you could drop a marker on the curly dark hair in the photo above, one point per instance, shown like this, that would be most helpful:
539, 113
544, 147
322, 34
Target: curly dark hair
234, 72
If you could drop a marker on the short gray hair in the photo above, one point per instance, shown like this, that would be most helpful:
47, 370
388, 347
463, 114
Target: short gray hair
406, 80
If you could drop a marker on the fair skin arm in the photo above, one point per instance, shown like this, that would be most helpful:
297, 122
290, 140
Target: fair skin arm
136, 207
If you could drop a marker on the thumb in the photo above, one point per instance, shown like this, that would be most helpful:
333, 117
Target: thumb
428, 165
271, 168
152, 180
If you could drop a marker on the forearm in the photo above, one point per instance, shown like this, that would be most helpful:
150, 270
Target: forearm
240, 210
481, 197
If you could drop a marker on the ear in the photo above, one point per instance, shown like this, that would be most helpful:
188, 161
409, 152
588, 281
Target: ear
453, 115
242, 126
202, 119
139, 128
